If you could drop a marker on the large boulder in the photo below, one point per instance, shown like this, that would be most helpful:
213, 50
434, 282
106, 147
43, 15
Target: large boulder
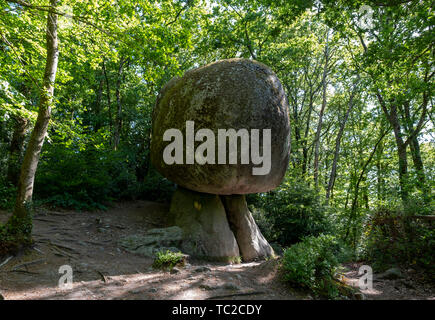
206, 232
228, 94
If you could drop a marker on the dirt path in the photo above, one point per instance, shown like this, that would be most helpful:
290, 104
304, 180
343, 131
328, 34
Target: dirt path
409, 286
88, 242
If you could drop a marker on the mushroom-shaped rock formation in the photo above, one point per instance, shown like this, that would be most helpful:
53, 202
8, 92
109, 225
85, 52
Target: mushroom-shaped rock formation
221, 131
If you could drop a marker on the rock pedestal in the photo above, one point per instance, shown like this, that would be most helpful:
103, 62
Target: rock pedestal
252, 244
206, 232
209, 206
219, 228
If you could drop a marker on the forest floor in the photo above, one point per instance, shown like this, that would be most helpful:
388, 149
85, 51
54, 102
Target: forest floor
89, 243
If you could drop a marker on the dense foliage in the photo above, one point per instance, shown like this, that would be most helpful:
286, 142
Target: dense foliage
395, 238
312, 264
291, 212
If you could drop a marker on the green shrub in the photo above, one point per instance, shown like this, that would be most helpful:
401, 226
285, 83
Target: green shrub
311, 264
15, 234
7, 195
85, 177
79, 179
167, 259
294, 210
156, 187
394, 236
80, 201
263, 221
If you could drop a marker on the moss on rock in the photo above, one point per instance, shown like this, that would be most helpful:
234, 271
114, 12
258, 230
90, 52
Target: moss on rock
234, 93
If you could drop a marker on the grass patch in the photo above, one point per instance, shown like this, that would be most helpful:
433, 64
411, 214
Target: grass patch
166, 260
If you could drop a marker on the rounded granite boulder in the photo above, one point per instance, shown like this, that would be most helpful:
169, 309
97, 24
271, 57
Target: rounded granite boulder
228, 94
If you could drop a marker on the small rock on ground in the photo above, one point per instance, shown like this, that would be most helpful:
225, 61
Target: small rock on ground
230, 286
206, 287
360, 296
202, 269
391, 274
175, 270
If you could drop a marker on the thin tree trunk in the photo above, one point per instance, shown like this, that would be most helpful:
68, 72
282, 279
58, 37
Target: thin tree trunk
16, 149
346, 203
416, 155
419, 167
401, 152
379, 174
322, 110
30, 162
109, 102
296, 126
392, 117
337, 148
361, 177
305, 141
418, 162
401, 145
97, 124
118, 125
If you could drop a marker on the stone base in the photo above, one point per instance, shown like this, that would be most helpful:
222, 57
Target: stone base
252, 244
206, 232
217, 228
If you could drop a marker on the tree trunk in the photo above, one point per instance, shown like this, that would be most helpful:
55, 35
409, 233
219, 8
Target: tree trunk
337, 148
297, 131
97, 122
392, 117
31, 158
16, 149
401, 153
416, 155
319, 124
360, 179
118, 125
305, 141
403, 170
419, 167
109, 102
379, 175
